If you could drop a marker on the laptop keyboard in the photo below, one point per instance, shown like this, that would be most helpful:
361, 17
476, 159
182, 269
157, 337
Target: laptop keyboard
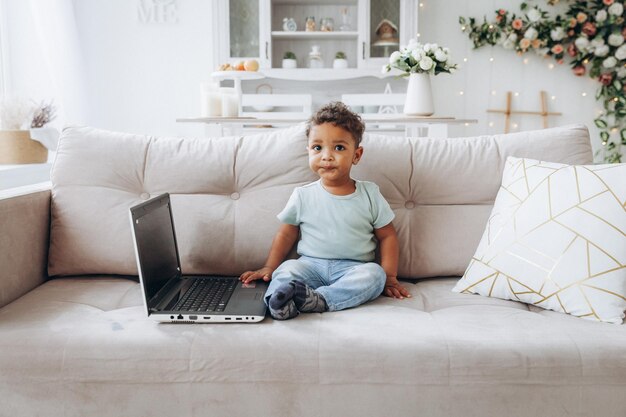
207, 295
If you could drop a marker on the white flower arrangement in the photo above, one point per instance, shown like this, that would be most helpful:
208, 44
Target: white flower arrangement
420, 58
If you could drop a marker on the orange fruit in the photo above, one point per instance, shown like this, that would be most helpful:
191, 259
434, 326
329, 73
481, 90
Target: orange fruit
239, 66
251, 65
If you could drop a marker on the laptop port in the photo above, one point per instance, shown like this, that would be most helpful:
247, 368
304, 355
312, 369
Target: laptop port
238, 318
206, 318
227, 318
180, 317
193, 317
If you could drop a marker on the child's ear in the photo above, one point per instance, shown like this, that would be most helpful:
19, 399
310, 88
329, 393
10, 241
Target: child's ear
357, 155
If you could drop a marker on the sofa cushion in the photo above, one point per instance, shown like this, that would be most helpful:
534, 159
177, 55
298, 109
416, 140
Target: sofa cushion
556, 238
227, 191
88, 348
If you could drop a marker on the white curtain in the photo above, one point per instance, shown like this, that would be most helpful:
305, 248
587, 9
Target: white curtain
57, 33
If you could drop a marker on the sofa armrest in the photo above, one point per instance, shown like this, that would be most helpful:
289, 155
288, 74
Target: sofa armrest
24, 237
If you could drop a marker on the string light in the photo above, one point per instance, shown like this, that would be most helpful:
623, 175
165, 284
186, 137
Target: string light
614, 130
463, 28
491, 59
514, 125
553, 97
466, 124
418, 35
616, 99
551, 66
490, 124
421, 4
525, 61
516, 94
583, 94
493, 92
461, 93
464, 59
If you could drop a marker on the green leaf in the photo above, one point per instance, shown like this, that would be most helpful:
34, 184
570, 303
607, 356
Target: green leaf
523, 6
601, 124
604, 135
622, 133
461, 20
618, 85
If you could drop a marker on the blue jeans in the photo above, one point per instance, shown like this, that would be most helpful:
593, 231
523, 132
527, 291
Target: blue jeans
342, 283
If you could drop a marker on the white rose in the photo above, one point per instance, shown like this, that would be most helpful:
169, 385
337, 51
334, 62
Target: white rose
616, 39
531, 34
426, 63
543, 51
557, 34
610, 62
534, 15
512, 37
601, 15
508, 44
428, 47
582, 43
616, 9
621, 73
597, 42
394, 57
621, 53
441, 56
602, 51
417, 54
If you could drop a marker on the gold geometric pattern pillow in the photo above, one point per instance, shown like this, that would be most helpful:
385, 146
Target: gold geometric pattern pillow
556, 238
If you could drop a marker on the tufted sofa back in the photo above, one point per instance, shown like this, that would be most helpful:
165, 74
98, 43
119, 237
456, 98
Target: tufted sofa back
227, 191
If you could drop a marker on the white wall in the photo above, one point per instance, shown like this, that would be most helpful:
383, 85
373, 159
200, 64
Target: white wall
484, 83
140, 77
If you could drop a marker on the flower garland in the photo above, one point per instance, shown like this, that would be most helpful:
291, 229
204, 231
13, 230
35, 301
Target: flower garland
590, 36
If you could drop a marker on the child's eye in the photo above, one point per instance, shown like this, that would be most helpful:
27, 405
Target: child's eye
339, 148
316, 148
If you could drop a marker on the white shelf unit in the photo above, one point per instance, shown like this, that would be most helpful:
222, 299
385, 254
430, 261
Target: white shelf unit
357, 43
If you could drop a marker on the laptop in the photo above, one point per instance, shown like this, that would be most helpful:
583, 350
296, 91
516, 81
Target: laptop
173, 297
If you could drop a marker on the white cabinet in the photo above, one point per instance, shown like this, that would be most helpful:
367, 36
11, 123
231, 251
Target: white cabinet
254, 29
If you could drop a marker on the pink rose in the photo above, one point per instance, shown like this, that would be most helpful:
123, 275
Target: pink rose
579, 70
607, 2
524, 43
517, 24
560, 61
624, 32
606, 78
502, 12
557, 49
589, 29
571, 50
572, 22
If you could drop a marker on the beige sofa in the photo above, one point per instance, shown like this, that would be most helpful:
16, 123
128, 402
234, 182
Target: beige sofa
75, 339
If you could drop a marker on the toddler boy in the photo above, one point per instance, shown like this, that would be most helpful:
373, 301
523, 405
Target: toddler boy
337, 218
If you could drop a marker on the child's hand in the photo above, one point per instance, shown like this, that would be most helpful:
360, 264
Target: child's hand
265, 273
394, 289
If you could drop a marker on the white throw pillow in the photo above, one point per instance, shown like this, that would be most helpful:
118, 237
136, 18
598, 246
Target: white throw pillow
556, 238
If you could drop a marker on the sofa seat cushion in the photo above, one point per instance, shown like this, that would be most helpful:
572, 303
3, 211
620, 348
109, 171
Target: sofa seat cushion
96, 330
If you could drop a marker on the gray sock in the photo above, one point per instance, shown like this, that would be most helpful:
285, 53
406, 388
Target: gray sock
307, 300
281, 304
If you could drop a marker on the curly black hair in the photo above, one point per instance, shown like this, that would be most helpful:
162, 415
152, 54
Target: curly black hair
341, 116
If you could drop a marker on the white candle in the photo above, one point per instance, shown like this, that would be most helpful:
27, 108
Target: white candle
230, 102
211, 100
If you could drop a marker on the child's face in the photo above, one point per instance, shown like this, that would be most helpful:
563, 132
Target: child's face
332, 152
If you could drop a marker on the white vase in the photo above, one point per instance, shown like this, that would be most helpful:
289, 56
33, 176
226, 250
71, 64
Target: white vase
290, 63
419, 96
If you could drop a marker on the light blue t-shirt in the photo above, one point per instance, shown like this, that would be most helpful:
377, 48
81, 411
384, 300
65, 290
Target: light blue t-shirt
337, 226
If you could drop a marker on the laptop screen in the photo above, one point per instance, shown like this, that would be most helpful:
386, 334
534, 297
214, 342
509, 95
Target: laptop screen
156, 244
